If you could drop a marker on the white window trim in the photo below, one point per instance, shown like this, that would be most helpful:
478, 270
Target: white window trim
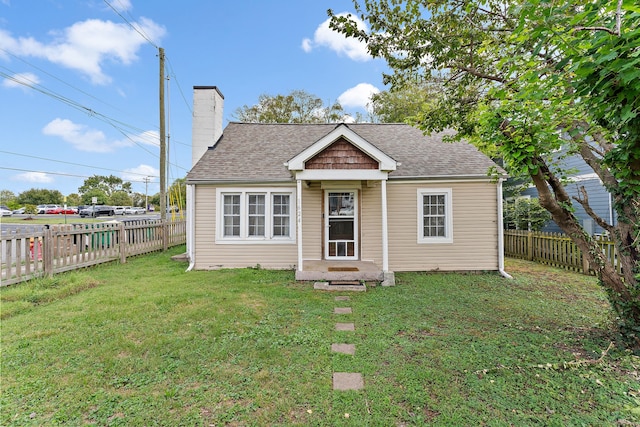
447, 192
244, 237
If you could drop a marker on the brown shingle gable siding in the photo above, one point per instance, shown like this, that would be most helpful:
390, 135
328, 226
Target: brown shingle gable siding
341, 155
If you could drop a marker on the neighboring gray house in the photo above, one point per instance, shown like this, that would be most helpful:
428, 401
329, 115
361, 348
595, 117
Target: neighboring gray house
337, 201
599, 198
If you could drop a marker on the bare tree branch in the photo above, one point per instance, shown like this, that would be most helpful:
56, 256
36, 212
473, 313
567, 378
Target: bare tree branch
475, 72
584, 201
615, 32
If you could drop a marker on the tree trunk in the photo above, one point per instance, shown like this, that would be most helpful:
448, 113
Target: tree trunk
623, 292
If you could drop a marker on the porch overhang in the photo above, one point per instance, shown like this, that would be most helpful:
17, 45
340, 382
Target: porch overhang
341, 175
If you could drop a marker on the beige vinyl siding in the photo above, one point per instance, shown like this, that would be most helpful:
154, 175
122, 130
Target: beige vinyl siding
371, 223
475, 244
312, 221
205, 224
210, 255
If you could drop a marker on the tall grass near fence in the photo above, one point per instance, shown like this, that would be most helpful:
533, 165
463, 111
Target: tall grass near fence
35, 252
555, 249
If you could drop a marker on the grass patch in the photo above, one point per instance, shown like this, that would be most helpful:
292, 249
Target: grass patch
145, 343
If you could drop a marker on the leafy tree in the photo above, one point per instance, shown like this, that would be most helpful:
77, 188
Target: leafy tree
120, 198
524, 80
137, 199
107, 185
87, 198
30, 209
297, 107
40, 196
403, 103
155, 199
525, 214
8, 198
74, 199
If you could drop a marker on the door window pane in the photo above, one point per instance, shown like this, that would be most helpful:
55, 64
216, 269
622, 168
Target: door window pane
341, 204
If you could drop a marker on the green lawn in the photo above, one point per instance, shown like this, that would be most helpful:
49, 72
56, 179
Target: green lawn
145, 343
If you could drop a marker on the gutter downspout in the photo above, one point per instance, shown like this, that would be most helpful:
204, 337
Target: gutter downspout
299, 221
501, 233
190, 226
385, 229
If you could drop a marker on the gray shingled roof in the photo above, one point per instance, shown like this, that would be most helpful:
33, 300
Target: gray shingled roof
250, 152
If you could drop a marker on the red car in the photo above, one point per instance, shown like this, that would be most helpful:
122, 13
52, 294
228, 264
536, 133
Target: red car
60, 211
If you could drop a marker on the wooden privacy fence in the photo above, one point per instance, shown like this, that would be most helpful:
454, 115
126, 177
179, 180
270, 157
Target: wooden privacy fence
555, 249
34, 252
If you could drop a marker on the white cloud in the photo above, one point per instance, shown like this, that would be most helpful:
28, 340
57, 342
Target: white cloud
121, 5
86, 45
21, 80
150, 137
307, 45
358, 96
80, 136
140, 172
38, 177
326, 37
84, 138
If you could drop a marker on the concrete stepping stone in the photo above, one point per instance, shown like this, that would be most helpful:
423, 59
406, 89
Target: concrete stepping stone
345, 327
347, 381
342, 310
344, 348
342, 298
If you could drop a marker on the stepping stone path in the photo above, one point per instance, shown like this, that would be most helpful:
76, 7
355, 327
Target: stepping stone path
345, 380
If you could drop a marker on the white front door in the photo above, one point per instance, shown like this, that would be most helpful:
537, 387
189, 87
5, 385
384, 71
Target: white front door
341, 224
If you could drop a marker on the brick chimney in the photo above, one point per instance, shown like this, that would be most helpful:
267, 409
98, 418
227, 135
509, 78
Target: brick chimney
206, 129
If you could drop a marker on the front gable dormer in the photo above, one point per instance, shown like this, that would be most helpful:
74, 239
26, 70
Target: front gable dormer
341, 154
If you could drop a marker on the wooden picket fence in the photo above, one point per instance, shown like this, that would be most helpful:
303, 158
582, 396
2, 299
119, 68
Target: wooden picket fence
555, 249
35, 252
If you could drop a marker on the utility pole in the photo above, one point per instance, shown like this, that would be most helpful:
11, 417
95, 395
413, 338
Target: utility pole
146, 192
163, 150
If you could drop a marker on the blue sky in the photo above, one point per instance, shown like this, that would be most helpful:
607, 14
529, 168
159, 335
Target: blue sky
79, 85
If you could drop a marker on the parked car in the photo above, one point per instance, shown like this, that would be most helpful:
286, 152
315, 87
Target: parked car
61, 211
20, 211
42, 209
119, 210
95, 211
5, 211
134, 210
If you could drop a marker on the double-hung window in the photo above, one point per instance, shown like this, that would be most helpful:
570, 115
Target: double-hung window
255, 215
435, 216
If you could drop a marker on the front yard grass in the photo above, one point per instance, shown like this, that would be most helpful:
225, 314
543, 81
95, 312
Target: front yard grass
145, 343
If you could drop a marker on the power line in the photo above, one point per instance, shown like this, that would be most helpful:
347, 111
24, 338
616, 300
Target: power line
135, 28
116, 124
75, 164
172, 73
57, 173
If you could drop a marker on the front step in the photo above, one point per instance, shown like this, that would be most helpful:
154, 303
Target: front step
341, 285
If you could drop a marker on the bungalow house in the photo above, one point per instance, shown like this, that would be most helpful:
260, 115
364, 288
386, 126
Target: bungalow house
337, 201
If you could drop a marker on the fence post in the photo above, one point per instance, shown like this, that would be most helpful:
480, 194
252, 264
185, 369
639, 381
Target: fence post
123, 243
165, 235
585, 263
47, 255
530, 246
